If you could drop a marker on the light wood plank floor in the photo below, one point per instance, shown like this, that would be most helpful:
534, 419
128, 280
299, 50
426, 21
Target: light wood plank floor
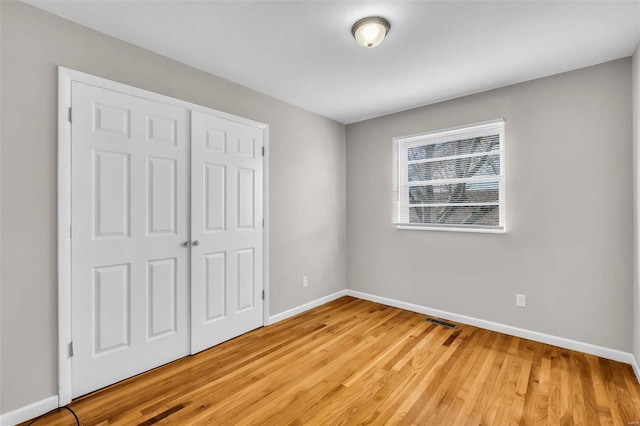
356, 362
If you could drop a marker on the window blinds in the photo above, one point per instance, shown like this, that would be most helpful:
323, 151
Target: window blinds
451, 179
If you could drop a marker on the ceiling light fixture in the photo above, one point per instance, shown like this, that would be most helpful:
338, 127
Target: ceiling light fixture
369, 32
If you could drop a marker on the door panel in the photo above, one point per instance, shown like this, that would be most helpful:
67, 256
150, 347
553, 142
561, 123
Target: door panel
162, 288
111, 309
112, 210
226, 196
161, 196
215, 197
214, 282
246, 279
246, 199
130, 195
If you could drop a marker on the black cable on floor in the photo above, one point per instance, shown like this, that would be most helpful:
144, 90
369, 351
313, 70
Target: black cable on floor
56, 409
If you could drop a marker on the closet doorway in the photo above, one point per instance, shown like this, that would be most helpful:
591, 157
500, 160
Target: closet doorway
161, 238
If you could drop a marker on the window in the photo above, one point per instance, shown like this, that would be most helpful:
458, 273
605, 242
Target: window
450, 179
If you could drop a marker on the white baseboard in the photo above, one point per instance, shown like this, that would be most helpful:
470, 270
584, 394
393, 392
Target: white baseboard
305, 307
636, 367
588, 348
29, 412
550, 339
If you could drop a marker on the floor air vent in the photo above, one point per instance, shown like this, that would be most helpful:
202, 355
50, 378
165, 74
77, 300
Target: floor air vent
442, 323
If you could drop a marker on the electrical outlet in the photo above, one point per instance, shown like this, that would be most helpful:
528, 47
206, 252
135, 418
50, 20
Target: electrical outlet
305, 281
521, 300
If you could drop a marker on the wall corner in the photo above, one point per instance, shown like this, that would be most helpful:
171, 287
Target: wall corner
635, 84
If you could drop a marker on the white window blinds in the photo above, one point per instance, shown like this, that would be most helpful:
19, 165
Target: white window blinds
451, 179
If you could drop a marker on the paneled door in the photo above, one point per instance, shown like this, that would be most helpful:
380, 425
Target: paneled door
130, 228
226, 230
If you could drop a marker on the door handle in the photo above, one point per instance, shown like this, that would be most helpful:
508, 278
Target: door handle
185, 244
195, 243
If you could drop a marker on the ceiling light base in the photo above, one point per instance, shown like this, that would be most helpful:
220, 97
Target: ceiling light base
369, 32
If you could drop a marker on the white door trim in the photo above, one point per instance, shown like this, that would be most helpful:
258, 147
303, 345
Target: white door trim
65, 77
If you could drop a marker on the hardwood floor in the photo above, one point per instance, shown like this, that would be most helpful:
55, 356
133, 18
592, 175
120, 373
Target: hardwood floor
356, 362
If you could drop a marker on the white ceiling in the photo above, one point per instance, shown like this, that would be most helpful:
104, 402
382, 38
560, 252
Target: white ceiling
303, 53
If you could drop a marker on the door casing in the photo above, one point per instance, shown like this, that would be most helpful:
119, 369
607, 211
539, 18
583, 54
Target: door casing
65, 78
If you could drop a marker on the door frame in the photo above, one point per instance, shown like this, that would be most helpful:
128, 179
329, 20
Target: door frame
65, 78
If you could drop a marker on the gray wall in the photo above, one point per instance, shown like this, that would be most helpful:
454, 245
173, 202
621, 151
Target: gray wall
636, 202
569, 211
307, 171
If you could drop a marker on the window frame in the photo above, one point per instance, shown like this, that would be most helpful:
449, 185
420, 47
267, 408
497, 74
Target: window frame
402, 144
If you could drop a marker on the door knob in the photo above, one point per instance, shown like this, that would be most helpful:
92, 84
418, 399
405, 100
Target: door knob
195, 243
186, 244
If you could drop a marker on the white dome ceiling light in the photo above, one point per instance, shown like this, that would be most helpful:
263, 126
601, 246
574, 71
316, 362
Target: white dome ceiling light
369, 32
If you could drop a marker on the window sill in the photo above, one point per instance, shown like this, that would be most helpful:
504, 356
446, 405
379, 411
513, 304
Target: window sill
491, 230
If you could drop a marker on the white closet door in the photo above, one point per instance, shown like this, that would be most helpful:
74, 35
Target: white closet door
130, 168
226, 230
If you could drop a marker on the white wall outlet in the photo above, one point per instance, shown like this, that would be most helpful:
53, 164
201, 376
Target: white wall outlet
521, 300
305, 281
